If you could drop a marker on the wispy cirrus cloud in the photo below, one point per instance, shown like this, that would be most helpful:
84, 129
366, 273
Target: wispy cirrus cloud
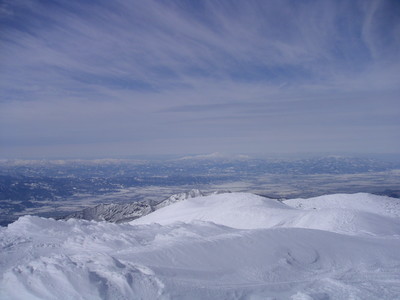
137, 72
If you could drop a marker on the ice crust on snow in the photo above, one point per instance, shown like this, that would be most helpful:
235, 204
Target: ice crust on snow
226, 246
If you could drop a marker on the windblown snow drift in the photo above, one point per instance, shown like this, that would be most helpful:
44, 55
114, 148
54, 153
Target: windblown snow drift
227, 246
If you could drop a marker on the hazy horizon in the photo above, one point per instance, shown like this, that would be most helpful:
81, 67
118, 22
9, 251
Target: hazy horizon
214, 155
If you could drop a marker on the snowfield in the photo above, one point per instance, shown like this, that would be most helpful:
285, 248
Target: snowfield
226, 246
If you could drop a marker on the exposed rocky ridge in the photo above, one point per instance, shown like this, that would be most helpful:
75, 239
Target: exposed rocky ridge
119, 213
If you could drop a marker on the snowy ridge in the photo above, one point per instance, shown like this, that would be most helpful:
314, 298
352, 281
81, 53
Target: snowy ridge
225, 246
382, 205
116, 213
119, 213
179, 197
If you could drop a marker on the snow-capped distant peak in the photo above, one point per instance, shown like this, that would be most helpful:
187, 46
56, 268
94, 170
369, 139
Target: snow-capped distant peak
214, 156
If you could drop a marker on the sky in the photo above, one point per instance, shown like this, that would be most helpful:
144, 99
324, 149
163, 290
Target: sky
118, 78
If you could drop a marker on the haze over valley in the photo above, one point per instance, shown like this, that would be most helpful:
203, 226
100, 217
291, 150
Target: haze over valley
60, 187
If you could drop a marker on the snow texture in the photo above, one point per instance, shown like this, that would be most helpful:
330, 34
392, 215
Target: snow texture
225, 246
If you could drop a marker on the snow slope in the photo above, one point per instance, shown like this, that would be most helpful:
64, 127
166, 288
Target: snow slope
227, 246
381, 205
248, 211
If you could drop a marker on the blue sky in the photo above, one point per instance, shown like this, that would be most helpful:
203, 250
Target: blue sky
124, 77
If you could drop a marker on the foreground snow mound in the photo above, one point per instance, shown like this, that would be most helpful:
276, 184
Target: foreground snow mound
228, 246
249, 211
47, 259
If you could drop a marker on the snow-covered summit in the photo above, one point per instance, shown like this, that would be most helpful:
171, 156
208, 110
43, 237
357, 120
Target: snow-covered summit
351, 214
237, 210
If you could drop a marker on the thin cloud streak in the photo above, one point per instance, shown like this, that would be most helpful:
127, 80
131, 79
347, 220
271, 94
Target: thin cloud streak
124, 70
